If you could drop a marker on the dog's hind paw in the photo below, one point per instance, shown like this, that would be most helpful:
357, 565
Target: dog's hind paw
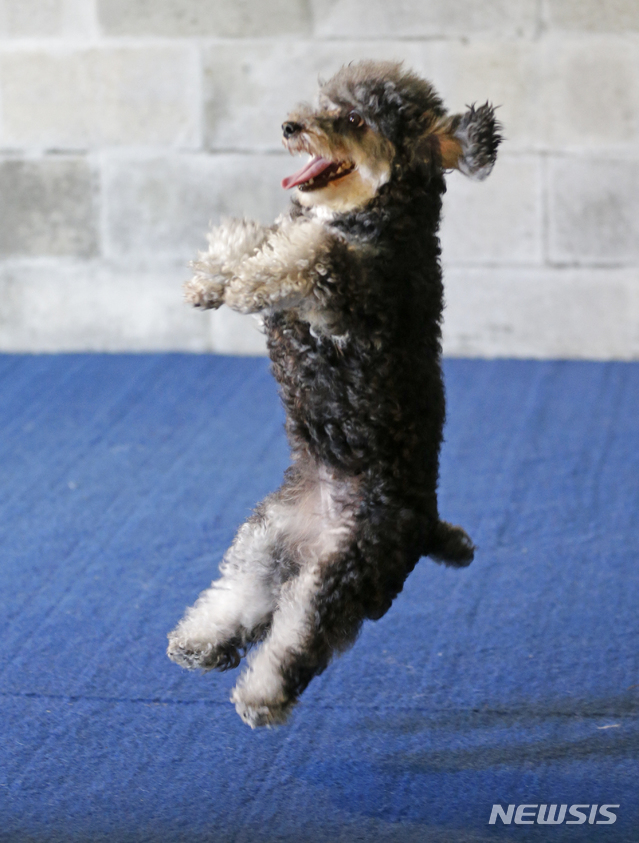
203, 655
261, 713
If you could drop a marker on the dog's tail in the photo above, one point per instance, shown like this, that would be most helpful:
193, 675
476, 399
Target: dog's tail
450, 545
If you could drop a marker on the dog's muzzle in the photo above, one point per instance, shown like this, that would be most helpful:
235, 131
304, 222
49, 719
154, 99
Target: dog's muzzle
290, 128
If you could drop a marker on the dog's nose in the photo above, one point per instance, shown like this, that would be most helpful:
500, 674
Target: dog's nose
289, 128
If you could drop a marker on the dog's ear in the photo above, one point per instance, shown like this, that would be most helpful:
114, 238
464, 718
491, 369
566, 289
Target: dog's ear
468, 142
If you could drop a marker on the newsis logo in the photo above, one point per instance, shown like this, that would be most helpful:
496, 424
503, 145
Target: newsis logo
553, 814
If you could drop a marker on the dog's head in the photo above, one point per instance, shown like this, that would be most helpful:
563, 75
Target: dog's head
375, 121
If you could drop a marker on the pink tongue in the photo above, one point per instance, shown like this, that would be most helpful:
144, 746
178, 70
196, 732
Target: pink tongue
314, 167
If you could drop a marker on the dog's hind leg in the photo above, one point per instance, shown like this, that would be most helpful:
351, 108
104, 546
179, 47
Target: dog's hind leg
237, 608
320, 613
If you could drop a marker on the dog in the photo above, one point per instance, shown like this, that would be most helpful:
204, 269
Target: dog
349, 286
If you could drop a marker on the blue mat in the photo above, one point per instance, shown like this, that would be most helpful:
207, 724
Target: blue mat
516, 681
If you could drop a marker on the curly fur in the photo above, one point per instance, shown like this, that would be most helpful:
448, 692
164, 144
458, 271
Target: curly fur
349, 286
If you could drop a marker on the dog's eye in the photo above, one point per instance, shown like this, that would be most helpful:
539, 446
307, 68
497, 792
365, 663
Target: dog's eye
355, 120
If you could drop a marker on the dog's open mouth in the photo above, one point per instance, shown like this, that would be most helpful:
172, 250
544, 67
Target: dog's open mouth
318, 173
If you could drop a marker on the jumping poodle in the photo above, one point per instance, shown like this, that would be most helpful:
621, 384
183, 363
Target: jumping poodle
349, 286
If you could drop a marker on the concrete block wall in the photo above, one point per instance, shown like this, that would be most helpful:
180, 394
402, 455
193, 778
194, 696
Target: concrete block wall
127, 125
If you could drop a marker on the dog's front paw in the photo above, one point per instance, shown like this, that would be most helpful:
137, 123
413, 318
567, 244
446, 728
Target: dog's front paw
200, 655
260, 712
205, 292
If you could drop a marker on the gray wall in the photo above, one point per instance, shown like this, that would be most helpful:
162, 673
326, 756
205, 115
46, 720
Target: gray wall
126, 125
